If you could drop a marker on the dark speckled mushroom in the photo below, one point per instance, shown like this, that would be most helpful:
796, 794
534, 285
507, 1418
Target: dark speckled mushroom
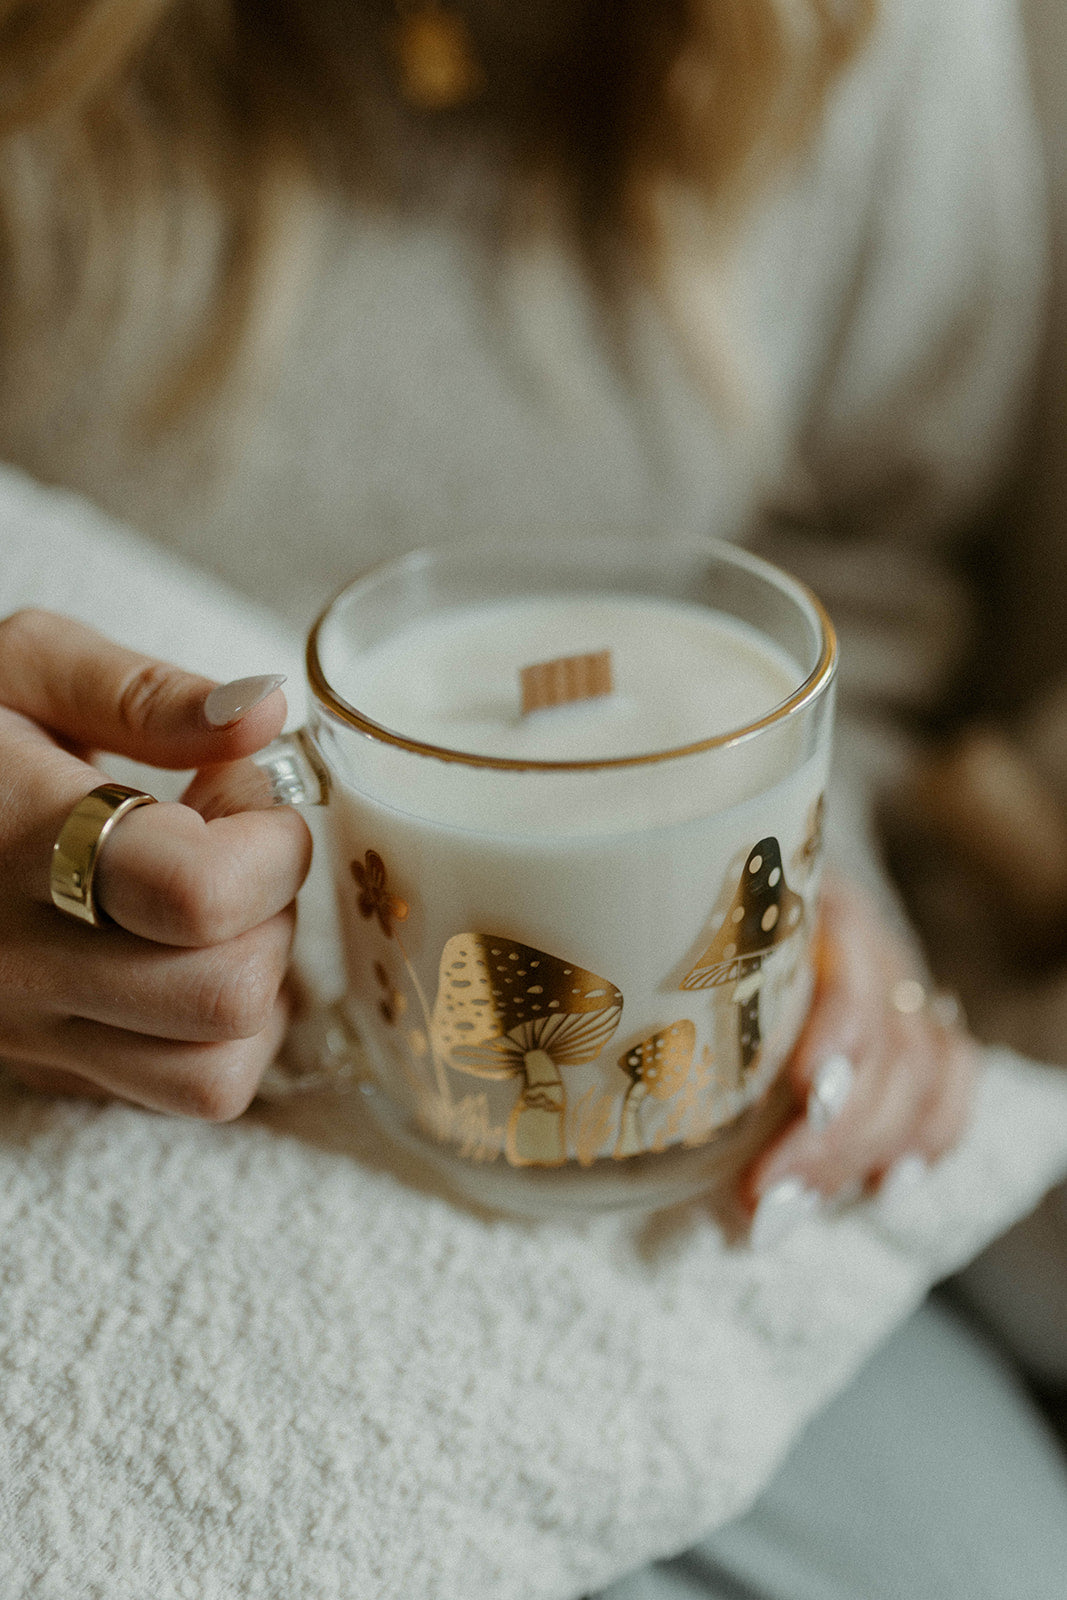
764, 913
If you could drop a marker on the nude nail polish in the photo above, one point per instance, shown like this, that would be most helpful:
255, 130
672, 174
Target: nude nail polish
231, 701
781, 1208
830, 1088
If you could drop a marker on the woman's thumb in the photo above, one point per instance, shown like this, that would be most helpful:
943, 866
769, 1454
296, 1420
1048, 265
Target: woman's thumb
84, 688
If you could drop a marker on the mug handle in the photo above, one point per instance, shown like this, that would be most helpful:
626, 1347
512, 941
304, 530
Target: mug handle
293, 772
287, 772
322, 1048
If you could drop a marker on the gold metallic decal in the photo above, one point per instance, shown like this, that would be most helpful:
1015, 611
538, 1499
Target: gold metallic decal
764, 913
509, 1010
806, 857
591, 1123
658, 1067
377, 902
375, 898
393, 1003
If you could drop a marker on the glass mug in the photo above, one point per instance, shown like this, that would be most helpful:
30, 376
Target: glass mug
572, 979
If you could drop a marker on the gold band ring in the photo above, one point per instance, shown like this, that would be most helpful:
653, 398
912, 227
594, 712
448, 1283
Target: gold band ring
77, 848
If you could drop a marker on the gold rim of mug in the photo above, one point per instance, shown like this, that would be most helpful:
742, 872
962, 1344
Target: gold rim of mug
813, 685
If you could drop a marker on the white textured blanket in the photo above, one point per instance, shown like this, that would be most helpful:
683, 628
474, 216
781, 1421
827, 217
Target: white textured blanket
254, 1361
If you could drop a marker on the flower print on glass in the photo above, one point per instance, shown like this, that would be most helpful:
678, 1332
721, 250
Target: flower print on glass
375, 897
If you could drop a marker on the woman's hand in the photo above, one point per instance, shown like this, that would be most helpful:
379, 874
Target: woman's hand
177, 1004
885, 1079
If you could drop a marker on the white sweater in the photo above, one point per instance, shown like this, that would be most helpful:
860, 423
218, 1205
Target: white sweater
256, 1360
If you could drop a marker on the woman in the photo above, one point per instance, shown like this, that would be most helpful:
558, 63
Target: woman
765, 272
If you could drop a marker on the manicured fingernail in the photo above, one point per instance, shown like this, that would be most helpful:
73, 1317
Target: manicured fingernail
231, 701
781, 1208
830, 1088
901, 1179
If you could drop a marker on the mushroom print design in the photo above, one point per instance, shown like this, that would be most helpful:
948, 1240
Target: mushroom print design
507, 1010
764, 913
658, 1067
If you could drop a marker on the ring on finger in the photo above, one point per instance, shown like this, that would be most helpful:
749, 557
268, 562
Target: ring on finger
909, 998
79, 843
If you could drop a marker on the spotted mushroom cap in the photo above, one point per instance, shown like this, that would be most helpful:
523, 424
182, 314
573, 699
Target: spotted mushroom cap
498, 1000
763, 914
662, 1062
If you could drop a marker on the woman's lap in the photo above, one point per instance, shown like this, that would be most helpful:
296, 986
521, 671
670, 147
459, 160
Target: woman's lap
932, 1475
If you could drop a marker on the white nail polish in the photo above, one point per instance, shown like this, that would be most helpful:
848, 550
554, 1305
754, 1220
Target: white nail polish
231, 701
781, 1208
830, 1088
901, 1179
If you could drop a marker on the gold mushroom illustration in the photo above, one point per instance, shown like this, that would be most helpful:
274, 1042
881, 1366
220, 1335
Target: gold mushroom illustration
764, 913
658, 1067
507, 1010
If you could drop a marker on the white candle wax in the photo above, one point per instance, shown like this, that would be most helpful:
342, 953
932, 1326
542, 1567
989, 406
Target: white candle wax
682, 673
625, 872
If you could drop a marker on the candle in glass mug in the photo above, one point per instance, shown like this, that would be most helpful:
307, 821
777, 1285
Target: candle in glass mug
577, 939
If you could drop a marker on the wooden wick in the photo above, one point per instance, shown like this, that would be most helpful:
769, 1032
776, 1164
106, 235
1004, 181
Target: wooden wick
567, 678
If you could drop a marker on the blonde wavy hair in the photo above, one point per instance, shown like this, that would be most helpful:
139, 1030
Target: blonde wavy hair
128, 125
